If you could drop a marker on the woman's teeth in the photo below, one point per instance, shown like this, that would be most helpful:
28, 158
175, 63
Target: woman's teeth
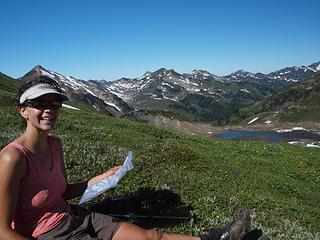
47, 118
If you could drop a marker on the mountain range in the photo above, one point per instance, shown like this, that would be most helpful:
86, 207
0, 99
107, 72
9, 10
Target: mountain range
197, 96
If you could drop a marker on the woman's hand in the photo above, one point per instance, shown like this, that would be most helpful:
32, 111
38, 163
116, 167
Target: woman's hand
102, 176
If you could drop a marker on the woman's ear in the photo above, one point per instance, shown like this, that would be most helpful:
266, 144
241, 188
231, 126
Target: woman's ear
23, 111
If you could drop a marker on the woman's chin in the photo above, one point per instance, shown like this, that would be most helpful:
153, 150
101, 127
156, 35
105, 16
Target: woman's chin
47, 127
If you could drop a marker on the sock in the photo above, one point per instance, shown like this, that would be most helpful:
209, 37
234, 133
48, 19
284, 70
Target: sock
213, 234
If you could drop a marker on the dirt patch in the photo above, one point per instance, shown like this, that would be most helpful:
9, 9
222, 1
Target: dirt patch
185, 126
207, 129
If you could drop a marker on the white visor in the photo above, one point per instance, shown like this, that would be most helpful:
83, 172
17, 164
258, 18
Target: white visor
39, 90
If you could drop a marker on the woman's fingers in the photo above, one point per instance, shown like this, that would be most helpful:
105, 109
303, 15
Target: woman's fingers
111, 171
100, 177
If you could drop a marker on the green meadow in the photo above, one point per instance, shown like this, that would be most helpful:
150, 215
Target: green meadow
280, 183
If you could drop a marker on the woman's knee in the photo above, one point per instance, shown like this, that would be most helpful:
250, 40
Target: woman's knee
129, 231
153, 235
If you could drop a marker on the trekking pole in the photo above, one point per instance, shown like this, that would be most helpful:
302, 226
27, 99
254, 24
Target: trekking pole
159, 217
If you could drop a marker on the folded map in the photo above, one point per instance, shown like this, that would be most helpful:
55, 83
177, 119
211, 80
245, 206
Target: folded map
107, 183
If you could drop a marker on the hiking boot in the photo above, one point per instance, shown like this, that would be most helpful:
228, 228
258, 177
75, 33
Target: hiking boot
237, 230
233, 231
241, 225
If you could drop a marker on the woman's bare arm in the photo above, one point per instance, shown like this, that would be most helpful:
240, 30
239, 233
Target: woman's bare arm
12, 170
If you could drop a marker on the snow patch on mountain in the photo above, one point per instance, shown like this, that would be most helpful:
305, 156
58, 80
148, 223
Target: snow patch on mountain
253, 120
283, 73
146, 75
290, 130
113, 105
167, 84
89, 91
311, 69
69, 106
45, 73
96, 108
171, 99
244, 90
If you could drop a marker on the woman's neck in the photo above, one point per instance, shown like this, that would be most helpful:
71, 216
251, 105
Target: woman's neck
34, 140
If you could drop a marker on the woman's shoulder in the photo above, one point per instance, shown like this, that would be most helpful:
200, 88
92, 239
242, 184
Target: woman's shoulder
12, 157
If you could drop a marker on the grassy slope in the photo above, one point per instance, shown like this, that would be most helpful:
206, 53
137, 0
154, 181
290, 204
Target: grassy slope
297, 104
280, 183
8, 84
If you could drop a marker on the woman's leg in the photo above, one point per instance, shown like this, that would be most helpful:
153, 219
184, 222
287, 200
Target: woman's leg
129, 231
233, 231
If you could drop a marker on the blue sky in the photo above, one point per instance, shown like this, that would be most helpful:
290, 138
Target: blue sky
103, 39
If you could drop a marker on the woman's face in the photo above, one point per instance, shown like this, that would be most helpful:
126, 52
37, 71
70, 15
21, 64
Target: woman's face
41, 113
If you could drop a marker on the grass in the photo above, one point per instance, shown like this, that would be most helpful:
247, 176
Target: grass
279, 183
8, 84
300, 115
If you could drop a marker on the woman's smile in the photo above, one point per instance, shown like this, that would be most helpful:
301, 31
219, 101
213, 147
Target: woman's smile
48, 119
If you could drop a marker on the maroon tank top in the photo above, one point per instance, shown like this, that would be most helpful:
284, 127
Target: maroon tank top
40, 206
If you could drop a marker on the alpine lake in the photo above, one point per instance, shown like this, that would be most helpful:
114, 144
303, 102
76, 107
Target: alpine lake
298, 137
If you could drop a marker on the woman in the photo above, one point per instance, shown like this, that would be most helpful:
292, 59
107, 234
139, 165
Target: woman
34, 188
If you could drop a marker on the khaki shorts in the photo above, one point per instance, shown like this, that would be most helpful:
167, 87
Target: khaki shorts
83, 224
